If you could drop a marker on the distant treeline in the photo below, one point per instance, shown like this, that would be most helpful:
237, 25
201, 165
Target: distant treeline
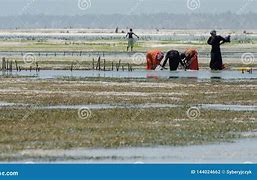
157, 21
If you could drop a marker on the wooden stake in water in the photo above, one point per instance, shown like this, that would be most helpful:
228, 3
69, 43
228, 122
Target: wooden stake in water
7, 65
99, 63
118, 65
131, 68
16, 64
10, 69
37, 68
93, 64
104, 64
71, 68
3, 64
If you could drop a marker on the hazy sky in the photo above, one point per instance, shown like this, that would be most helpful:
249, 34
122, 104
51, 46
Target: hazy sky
70, 7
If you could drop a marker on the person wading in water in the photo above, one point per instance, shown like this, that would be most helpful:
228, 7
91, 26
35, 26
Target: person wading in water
175, 58
153, 59
131, 39
190, 59
216, 59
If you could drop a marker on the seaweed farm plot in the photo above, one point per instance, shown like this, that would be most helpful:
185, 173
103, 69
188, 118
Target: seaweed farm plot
59, 116
81, 97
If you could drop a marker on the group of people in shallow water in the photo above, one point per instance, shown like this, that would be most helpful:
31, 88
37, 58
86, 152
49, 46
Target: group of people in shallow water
187, 59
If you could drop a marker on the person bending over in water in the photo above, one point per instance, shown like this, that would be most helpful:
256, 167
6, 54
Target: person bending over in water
216, 59
130, 37
175, 58
190, 59
153, 59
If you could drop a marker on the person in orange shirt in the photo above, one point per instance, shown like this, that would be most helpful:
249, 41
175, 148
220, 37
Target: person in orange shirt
191, 59
153, 59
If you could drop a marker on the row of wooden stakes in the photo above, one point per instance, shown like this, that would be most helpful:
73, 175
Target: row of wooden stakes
99, 64
80, 53
8, 66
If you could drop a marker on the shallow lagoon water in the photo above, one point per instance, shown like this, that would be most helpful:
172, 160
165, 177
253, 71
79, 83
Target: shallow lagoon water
223, 107
198, 75
241, 151
220, 107
120, 55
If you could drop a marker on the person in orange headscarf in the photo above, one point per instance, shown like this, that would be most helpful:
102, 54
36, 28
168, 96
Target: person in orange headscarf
191, 59
153, 59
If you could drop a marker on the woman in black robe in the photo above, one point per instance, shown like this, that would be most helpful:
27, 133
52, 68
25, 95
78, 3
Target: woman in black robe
216, 59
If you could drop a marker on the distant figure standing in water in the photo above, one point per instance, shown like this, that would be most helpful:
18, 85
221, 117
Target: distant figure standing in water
216, 59
131, 39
